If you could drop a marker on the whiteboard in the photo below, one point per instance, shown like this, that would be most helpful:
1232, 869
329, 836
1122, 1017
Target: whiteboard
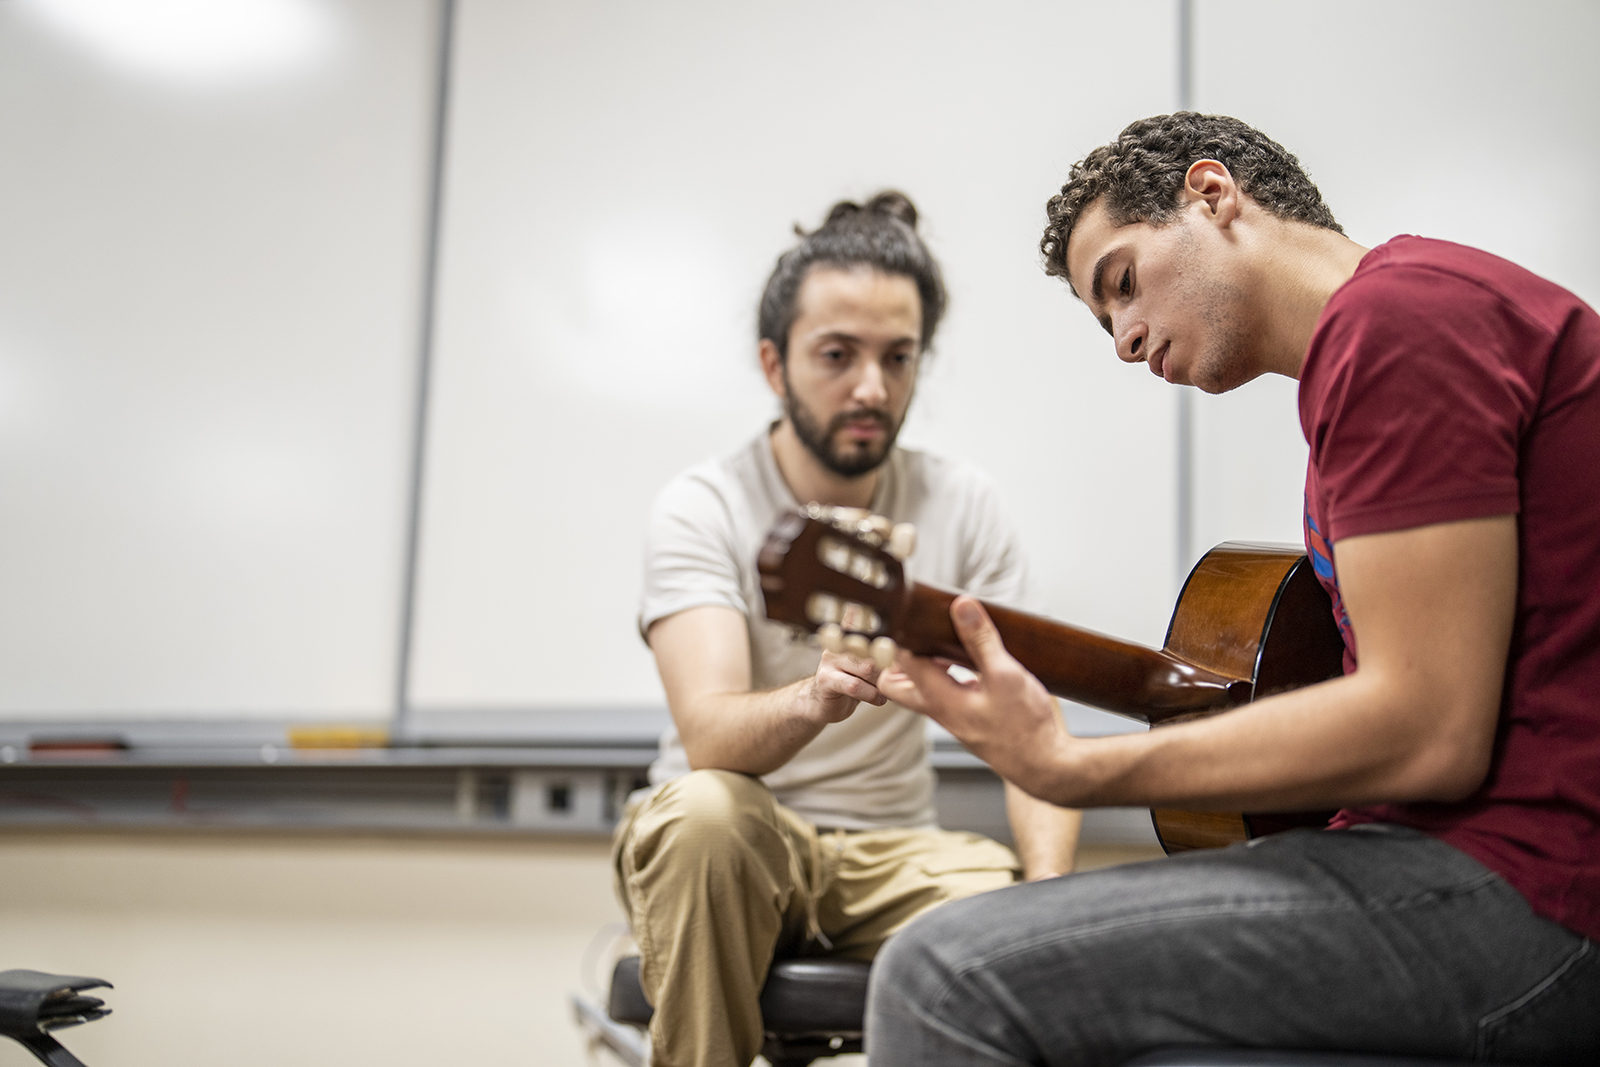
210, 286
621, 179
209, 270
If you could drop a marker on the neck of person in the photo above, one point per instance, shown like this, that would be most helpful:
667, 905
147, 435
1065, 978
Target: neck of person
1307, 267
810, 481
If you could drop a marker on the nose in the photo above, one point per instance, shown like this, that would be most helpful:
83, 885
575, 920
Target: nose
1131, 336
870, 390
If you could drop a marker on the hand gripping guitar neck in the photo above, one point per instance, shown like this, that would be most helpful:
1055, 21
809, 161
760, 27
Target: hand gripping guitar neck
1251, 620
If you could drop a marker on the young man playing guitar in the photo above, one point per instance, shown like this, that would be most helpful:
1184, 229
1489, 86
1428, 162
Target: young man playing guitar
1452, 405
792, 805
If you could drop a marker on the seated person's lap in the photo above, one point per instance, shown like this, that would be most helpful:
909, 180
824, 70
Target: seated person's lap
717, 828
1373, 939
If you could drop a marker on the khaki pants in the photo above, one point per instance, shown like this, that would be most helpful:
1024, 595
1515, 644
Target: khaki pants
717, 878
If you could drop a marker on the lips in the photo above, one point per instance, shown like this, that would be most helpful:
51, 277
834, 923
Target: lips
1158, 361
863, 430
862, 427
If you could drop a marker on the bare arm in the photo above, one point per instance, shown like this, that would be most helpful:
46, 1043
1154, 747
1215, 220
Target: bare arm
1432, 610
703, 655
1046, 836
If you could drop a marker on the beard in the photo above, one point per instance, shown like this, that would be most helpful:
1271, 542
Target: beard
845, 459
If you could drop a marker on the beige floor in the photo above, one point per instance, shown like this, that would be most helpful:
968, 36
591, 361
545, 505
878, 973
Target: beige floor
272, 949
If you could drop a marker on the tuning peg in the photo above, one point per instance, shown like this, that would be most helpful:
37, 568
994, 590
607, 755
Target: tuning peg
902, 540
881, 525
831, 638
856, 647
883, 650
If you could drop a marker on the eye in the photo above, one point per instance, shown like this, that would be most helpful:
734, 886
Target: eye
1125, 285
833, 354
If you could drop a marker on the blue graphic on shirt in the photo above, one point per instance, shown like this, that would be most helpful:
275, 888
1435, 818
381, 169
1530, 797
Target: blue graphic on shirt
1321, 554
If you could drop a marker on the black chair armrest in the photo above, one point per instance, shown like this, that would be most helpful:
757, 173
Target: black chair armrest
32, 1002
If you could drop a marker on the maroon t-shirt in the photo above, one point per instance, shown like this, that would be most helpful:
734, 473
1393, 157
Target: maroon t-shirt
1443, 383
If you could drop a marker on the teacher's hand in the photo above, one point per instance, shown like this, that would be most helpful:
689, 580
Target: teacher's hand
1004, 716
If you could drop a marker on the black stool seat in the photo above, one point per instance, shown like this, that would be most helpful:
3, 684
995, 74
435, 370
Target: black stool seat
815, 996
809, 1008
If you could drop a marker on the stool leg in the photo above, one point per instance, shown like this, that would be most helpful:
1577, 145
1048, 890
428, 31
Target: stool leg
49, 1050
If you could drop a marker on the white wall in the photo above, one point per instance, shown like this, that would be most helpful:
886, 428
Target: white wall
1468, 120
208, 291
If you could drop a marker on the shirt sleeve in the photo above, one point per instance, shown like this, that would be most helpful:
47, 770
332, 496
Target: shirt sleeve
1412, 416
689, 559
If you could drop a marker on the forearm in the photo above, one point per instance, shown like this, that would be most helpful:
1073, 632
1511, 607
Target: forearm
1046, 836
752, 733
1433, 609
1347, 741
703, 655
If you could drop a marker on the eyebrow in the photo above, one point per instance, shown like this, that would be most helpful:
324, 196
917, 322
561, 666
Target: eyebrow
850, 338
1097, 290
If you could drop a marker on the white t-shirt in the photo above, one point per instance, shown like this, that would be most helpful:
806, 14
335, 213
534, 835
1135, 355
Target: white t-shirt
871, 770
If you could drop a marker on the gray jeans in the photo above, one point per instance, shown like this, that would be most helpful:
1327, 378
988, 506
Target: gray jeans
1374, 939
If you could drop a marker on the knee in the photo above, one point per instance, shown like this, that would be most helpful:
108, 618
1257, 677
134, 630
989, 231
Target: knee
714, 801
942, 991
910, 986
936, 963
911, 966
706, 815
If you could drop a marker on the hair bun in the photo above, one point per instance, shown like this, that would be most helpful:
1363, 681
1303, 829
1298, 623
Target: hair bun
844, 209
896, 205
890, 203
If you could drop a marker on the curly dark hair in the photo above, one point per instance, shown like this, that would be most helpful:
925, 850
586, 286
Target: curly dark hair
881, 234
1140, 176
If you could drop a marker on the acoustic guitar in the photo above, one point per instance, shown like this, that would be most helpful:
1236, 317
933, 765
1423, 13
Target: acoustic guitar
1251, 620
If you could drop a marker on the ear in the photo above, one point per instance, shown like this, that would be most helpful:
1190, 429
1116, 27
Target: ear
772, 368
1209, 184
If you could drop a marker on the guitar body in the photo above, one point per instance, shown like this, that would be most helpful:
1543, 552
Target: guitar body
1252, 620
1256, 612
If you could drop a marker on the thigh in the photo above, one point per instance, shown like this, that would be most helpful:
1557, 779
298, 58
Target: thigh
1359, 940
879, 880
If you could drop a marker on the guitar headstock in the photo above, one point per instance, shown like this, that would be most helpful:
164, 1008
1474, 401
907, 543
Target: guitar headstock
836, 572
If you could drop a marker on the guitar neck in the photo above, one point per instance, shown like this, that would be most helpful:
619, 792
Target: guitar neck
1076, 664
